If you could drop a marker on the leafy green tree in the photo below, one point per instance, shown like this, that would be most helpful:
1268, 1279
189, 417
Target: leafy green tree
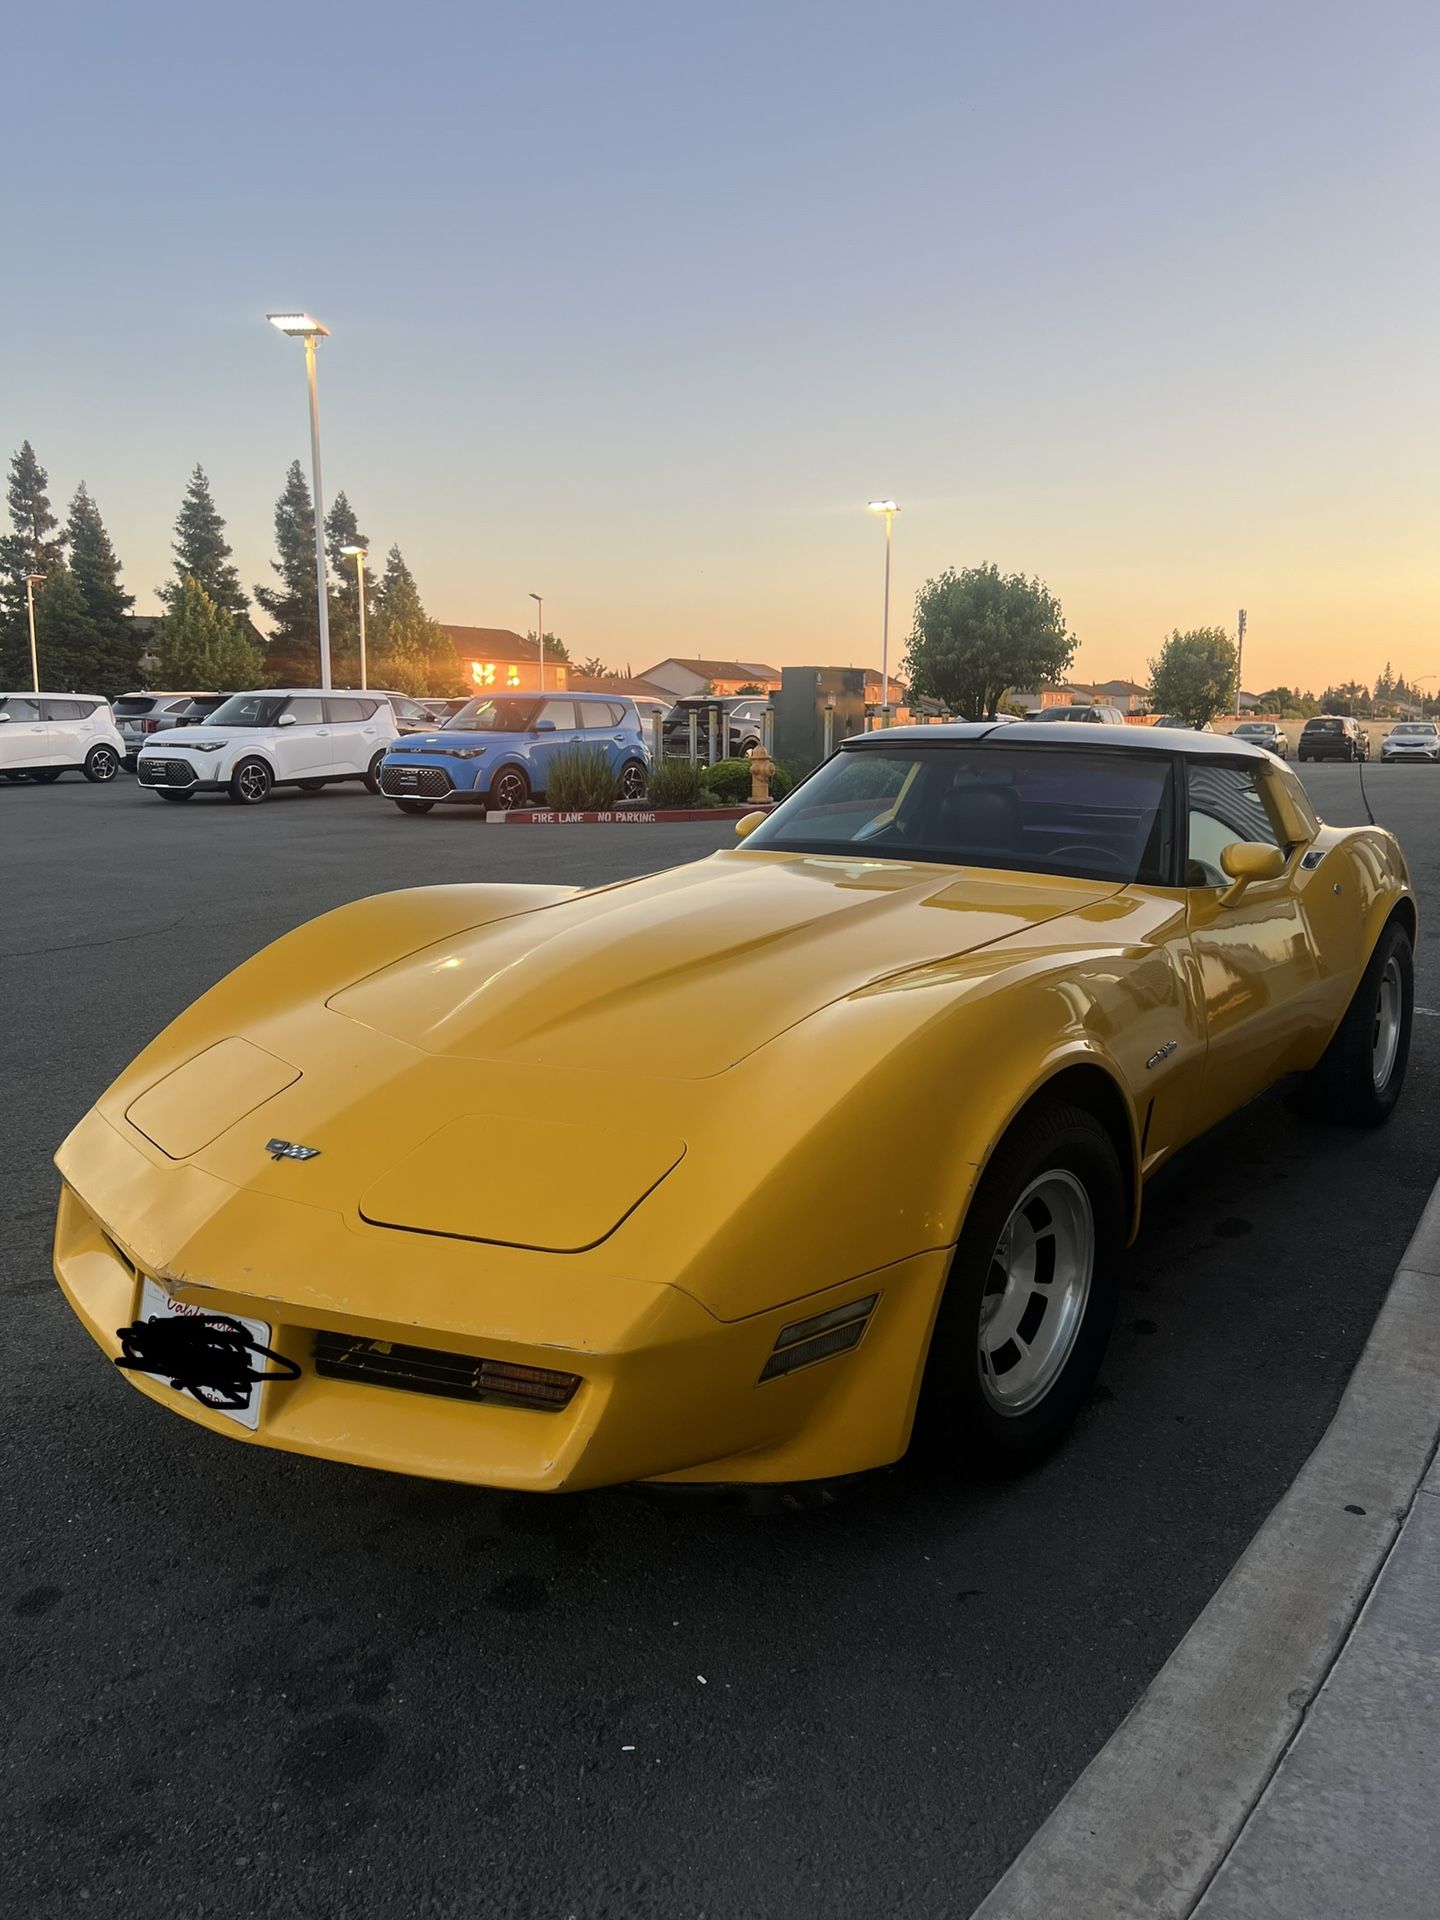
978, 633
96, 570
555, 647
595, 668
200, 644
202, 551
1193, 676
35, 546
408, 650
293, 654
65, 638
342, 530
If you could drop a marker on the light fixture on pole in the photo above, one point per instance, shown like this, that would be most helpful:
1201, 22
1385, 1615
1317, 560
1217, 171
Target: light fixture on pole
540, 634
889, 509
357, 554
302, 326
32, 580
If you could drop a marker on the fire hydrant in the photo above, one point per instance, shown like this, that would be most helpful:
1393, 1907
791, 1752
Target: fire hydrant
761, 768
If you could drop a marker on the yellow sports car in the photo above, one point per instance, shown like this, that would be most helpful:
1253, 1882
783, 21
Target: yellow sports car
736, 1172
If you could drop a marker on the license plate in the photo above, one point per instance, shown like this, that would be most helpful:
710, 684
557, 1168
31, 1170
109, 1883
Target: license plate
221, 1359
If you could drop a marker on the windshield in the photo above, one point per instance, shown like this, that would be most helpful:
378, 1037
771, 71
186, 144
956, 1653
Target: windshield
1095, 815
1416, 726
249, 710
493, 716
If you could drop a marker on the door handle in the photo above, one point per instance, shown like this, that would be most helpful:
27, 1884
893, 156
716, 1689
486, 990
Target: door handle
322, 733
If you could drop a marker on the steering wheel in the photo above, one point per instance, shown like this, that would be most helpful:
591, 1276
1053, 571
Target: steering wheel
1101, 855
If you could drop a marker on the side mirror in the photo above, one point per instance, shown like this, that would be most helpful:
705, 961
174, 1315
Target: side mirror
1244, 861
544, 726
4, 717
287, 720
747, 824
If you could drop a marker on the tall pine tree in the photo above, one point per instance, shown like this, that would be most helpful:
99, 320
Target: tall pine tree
35, 546
202, 552
293, 654
410, 651
95, 567
342, 530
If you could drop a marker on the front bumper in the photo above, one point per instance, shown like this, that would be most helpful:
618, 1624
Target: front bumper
434, 780
175, 773
1431, 754
666, 1389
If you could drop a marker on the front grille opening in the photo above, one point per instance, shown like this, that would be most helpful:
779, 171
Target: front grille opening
453, 1376
429, 783
167, 773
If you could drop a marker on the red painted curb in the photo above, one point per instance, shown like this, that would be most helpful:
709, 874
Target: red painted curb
622, 816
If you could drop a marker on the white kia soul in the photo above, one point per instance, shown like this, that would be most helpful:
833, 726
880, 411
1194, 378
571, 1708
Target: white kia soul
285, 736
42, 735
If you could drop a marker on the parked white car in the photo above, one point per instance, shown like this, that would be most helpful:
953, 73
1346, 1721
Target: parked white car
1411, 740
283, 736
42, 735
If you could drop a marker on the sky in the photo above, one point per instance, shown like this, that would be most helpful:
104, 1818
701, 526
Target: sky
635, 303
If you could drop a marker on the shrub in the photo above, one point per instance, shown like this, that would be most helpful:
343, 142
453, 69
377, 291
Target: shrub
580, 778
675, 783
729, 781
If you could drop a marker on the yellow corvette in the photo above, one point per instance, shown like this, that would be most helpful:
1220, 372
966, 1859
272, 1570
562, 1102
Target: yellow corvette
735, 1172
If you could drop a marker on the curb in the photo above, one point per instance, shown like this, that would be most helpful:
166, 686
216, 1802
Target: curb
621, 816
1144, 1829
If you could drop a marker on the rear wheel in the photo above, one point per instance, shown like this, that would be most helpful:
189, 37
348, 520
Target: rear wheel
1361, 1073
1031, 1296
509, 789
45, 776
312, 786
250, 783
415, 806
632, 781
101, 763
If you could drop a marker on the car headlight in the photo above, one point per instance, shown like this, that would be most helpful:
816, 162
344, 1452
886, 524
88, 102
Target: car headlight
462, 753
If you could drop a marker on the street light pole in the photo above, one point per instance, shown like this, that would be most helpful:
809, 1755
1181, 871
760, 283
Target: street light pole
358, 555
889, 509
1239, 658
30, 581
540, 634
302, 326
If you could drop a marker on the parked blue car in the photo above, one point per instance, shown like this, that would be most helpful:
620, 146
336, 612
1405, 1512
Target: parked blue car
497, 750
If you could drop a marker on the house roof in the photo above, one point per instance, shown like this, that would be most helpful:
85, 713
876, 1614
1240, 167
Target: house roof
1120, 686
718, 669
636, 689
490, 643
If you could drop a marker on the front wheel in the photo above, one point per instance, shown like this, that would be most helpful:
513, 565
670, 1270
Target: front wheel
46, 776
1361, 1073
250, 783
1031, 1296
175, 793
312, 786
508, 790
632, 781
101, 763
415, 806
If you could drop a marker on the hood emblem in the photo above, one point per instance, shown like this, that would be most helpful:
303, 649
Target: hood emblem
288, 1150
1162, 1053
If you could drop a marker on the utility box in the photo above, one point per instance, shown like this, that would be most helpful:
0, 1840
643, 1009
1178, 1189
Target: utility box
800, 706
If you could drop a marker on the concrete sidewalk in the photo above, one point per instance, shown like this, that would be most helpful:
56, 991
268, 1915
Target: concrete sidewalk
1350, 1823
1285, 1762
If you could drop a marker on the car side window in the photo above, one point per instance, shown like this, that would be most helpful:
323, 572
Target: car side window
339, 711
562, 712
307, 713
19, 709
1226, 804
596, 714
63, 709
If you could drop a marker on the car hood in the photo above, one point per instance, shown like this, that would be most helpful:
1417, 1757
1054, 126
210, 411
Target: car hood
196, 731
685, 973
424, 741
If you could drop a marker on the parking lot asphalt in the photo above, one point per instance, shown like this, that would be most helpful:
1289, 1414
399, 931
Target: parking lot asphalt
242, 1683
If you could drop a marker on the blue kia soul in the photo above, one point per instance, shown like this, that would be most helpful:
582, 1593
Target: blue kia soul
497, 750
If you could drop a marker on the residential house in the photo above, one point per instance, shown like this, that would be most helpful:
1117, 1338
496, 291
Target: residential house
496, 660
1128, 695
723, 677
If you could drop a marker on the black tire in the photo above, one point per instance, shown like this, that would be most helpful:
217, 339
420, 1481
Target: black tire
46, 776
250, 783
415, 806
958, 1416
372, 777
1343, 1087
633, 781
509, 789
174, 793
312, 786
102, 763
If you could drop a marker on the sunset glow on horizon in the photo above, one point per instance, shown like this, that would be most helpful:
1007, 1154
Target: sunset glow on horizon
623, 306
